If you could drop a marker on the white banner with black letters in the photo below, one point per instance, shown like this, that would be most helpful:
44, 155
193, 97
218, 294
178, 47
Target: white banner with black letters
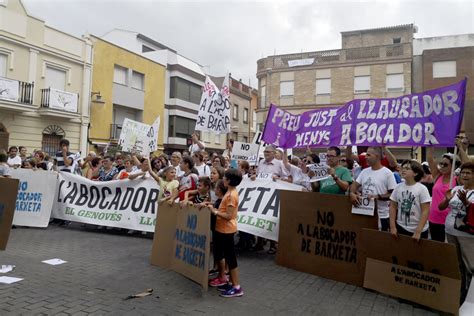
130, 204
245, 151
35, 197
259, 205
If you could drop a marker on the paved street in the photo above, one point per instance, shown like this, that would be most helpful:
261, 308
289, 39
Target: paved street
105, 267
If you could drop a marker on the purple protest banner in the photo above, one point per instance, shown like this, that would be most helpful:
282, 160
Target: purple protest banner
431, 118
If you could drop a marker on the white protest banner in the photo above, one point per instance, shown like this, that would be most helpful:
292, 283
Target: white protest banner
245, 151
9, 89
366, 207
62, 100
259, 206
130, 204
320, 170
322, 158
214, 109
35, 197
139, 137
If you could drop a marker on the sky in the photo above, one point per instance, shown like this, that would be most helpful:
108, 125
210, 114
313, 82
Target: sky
230, 36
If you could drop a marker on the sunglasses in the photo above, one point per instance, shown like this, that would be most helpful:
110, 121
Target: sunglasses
343, 160
443, 164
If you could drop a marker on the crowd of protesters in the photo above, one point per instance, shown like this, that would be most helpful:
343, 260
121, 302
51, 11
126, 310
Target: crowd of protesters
421, 200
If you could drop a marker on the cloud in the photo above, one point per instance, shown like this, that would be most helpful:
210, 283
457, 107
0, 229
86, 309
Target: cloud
233, 35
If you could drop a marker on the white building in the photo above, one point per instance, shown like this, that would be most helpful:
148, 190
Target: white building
184, 81
45, 80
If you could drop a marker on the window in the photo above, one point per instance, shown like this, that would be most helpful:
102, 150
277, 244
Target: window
120, 75
246, 115
181, 127
323, 86
185, 90
394, 82
245, 139
263, 97
235, 112
138, 80
235, 136
55, 78
286, 88
362, 84
3, 65
397, 40
444, 69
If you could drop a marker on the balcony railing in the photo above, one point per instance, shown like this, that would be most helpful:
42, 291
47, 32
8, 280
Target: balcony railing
59, 100
16, 91
115, 130
339, 56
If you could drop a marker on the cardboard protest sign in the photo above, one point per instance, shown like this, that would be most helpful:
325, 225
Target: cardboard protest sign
259, 205
139, 137
8, 195
366, 207
430, 118
35, 197
319, 235
214, 109
425, 272
130, 204
320, 171
182, 241
245, 151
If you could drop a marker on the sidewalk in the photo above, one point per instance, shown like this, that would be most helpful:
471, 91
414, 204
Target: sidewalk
104, 267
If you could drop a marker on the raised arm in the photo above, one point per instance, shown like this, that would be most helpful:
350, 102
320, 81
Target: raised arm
432, 162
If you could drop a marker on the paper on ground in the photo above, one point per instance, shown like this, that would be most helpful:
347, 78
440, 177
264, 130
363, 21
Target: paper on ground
54, 262
9, 280
6, 268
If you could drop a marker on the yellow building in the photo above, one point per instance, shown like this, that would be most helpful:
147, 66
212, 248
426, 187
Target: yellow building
124, 85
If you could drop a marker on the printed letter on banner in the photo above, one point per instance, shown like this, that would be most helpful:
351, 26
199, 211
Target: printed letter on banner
430, 118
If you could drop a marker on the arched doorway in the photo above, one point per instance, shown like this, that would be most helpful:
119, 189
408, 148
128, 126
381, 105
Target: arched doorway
4, 137
51, 137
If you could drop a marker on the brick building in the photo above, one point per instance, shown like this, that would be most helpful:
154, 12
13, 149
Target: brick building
444, 60
372, 63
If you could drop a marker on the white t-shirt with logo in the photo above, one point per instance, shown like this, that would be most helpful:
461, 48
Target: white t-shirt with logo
409, 199
376, 182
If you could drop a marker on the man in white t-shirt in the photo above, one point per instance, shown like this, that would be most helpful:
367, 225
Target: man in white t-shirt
197, 144
376, 182
13, 161
203, 169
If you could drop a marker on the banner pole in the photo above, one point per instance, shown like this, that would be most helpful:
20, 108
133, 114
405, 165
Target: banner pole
453, 167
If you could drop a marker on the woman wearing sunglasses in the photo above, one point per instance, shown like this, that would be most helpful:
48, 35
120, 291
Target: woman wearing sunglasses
441, 172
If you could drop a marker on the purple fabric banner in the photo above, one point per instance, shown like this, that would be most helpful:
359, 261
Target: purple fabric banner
431, 118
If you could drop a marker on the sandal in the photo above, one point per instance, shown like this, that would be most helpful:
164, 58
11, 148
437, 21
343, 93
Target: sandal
272, 251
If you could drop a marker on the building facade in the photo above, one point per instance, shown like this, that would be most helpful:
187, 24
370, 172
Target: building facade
444, 60
373, 63
124, 85
45, 82
183, 89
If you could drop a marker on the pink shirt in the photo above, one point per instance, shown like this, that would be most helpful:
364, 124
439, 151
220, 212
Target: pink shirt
439, 188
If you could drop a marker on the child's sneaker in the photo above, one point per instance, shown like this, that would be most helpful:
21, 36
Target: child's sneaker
224, 288
217, 282
233, 292
213, 273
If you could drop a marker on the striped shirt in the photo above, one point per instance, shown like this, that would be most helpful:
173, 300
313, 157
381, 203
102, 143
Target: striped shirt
60, 161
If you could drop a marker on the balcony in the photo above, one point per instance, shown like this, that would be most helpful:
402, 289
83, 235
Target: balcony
14, 94
336, 57
115, 130
59, 103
